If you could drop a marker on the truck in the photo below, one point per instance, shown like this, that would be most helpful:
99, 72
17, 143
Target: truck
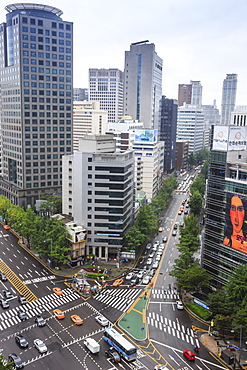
92, 345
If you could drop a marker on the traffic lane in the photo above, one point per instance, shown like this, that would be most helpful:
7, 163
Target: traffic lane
178, 360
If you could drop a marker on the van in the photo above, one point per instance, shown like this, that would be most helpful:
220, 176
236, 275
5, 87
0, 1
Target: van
92, 345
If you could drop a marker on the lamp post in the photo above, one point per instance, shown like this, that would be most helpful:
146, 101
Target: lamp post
46, 240
240, 334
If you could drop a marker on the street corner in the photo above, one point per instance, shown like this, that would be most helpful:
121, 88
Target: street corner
209, 342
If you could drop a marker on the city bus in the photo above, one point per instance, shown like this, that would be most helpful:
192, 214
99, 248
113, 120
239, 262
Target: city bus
125, 348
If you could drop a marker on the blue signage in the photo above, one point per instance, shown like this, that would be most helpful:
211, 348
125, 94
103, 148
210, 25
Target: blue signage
201, 304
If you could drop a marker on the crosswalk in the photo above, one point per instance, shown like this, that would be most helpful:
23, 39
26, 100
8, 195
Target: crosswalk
172, 327
9, 317
121, 299
165, 294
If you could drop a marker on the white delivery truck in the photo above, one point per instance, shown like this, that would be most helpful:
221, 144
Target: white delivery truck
92, 345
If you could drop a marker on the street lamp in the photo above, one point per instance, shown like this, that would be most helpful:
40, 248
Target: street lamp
46, 240
240, 334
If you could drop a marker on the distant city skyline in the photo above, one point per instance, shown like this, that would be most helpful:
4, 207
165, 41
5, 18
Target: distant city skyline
201, 41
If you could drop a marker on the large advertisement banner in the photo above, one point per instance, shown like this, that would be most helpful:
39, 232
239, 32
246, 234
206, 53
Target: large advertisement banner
236, 222
146, 136
237, 138
220, 139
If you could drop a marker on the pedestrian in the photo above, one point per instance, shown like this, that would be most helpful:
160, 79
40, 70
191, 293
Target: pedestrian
170, 286
164, 291
186, 329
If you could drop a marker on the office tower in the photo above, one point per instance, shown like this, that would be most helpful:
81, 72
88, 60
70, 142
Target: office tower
80, 94
182, 155
229, 92
196, 96
36, 100
184, 94
227, 182
143, 83
106, 86
168, 129
98, 190
88, 118
211, 117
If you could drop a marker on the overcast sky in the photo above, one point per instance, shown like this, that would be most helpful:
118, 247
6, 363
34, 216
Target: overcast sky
197, 39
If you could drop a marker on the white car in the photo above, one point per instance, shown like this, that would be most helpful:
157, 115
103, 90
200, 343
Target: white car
102, 320
158, 257
148, 246
149, 261
155, 247
179, 305
156, 242
129, 276
140, 274
155, 265
146, 280
41, 347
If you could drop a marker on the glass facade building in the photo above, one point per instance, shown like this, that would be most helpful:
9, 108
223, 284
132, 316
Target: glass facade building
227, 180
36, 74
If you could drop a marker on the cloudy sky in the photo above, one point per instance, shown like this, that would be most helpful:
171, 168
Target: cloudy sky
197, 39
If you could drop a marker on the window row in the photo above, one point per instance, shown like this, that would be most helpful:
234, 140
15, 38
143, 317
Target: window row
42, 184
47, 142
41, 31
47, 40
47, 48
48, 92
27, 99
48, 122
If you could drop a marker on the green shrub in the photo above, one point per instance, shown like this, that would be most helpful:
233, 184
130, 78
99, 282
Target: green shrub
199, 311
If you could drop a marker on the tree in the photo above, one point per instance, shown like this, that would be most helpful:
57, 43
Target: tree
204, 170
5, 205
147, 221
135, 238
219, 303
222, 322
196, 203
240, 318
198, 184
181, 264
4, 365
194, 279
191, 160
237, 287
54, 202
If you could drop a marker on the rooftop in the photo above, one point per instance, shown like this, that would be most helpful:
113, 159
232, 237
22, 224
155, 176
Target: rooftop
22, 6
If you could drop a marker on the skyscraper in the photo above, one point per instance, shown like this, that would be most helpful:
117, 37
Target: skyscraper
106, 86
229, 91
143, 83
196, 97
184, 94
36, 100
168, 128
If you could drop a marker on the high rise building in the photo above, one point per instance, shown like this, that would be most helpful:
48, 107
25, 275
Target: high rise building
239, 116
98, 191
106, 86
190, 127
229, 92
167, 132
196, 96
36, 100
143, 83
80, 94
211, 117
88, 118
225, 234
184, 94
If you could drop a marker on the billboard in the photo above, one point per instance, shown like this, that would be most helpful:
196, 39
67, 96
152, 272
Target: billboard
146, 136
220, 139
236, 222
237, 138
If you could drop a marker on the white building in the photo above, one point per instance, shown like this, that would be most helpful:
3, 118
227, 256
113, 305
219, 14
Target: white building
196, 96
124, 132
98, 191
149, 162
190, 127
106, 86
239, 116
211, 117
88, 118
229, 92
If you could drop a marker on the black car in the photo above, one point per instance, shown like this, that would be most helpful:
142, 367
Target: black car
40, 321
22, 315
18, 364
22, 299
7, 294
21, 341
4, 304
134, 280
3, 277
113, 355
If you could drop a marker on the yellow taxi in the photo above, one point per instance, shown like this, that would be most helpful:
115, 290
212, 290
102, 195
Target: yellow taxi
59, 314
118, 282
76, 319
57, 291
